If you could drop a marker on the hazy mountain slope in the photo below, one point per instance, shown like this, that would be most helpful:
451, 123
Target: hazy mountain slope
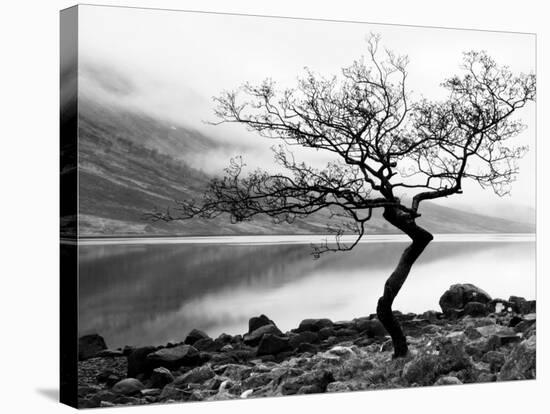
130, 162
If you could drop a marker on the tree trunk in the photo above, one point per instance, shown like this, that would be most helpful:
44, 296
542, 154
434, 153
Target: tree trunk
420, 239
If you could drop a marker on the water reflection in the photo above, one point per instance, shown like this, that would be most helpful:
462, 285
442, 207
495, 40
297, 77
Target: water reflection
151, 294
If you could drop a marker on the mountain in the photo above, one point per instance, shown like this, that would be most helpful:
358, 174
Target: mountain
131, 162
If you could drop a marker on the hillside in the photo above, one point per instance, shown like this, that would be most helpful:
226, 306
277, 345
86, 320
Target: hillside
130, 163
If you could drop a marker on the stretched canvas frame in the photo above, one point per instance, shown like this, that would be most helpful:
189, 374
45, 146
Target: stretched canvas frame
140, 146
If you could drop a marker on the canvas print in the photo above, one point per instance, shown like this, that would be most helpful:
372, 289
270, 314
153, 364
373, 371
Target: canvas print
261, 206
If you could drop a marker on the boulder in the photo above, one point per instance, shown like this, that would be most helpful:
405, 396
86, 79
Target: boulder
208, 345
128, 386
89, 346
314, 325
476, 309
521, 363
373, 328
421, 370
326, 333
160, 377
306, 337
259, 321
254, 338
173, 358
457, 296
194, 336
273, 344
495, 359
137, 361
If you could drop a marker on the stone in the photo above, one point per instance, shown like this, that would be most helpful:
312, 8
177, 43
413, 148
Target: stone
208, 345
421, 370
258, 321
316, 381
224, 339
160, 377
495, 359
195, 376
345, 333
457, 296
150, 392
314, 325
194, 336
430, 315
128, 386
373, 328
89, 346
173, 358
254, 338
476, 309
306, 337
170, 392
448, 381
521, 363
107, 377
524, 325
137, 361
472, 333
327, 332
257, 380
273, 344
490, 330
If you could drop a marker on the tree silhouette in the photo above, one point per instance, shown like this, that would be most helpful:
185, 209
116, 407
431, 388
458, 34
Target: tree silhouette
382, 142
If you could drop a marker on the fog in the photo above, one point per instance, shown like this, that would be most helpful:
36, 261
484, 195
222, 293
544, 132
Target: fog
170, 65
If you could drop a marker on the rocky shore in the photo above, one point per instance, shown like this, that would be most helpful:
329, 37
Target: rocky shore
473, 339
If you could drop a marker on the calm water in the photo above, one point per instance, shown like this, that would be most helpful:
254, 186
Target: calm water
139, 292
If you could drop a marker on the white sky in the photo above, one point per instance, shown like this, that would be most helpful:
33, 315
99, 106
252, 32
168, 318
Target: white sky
179, 60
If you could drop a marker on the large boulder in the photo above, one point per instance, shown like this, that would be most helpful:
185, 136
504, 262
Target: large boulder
521, 363
373, 328
194, 336
258, 321
273, 344
457, 296
306, 337
254, 338
160, 377
314, 325
90, 345
137, 361
195, 376
173, 358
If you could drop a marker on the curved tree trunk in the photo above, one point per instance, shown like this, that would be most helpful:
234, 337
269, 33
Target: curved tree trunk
420, 239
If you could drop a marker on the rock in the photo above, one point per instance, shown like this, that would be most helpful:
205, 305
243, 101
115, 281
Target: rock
150, 392
373, 328
224, 339
170, 392
246, 393
521, 363
254, 338
110, 353
345, 333
472, 333
499, 306
108, 377
305, 347
457, 296
430, 316
314, 381
160, 377
476, 309
273, 344
421, 370
306, 337
314, 325
495, 359
259, 321
257, 380
327, 332
89, 346
448, 381
490, 330
514, 321
173, 358
235, 372
208, 345
346, 386
137, 361
524, 325
194, 336
195, 376
128, 386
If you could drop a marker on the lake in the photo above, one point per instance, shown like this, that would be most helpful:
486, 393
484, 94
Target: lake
152, 291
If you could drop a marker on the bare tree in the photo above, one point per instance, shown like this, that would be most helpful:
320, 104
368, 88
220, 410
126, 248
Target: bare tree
382, 143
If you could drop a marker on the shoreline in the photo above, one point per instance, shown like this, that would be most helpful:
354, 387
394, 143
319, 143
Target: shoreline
480, 340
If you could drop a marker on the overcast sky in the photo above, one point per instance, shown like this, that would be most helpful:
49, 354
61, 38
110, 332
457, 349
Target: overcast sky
173, 63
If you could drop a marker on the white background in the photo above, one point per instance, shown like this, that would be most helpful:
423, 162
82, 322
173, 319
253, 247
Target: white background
29, 204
